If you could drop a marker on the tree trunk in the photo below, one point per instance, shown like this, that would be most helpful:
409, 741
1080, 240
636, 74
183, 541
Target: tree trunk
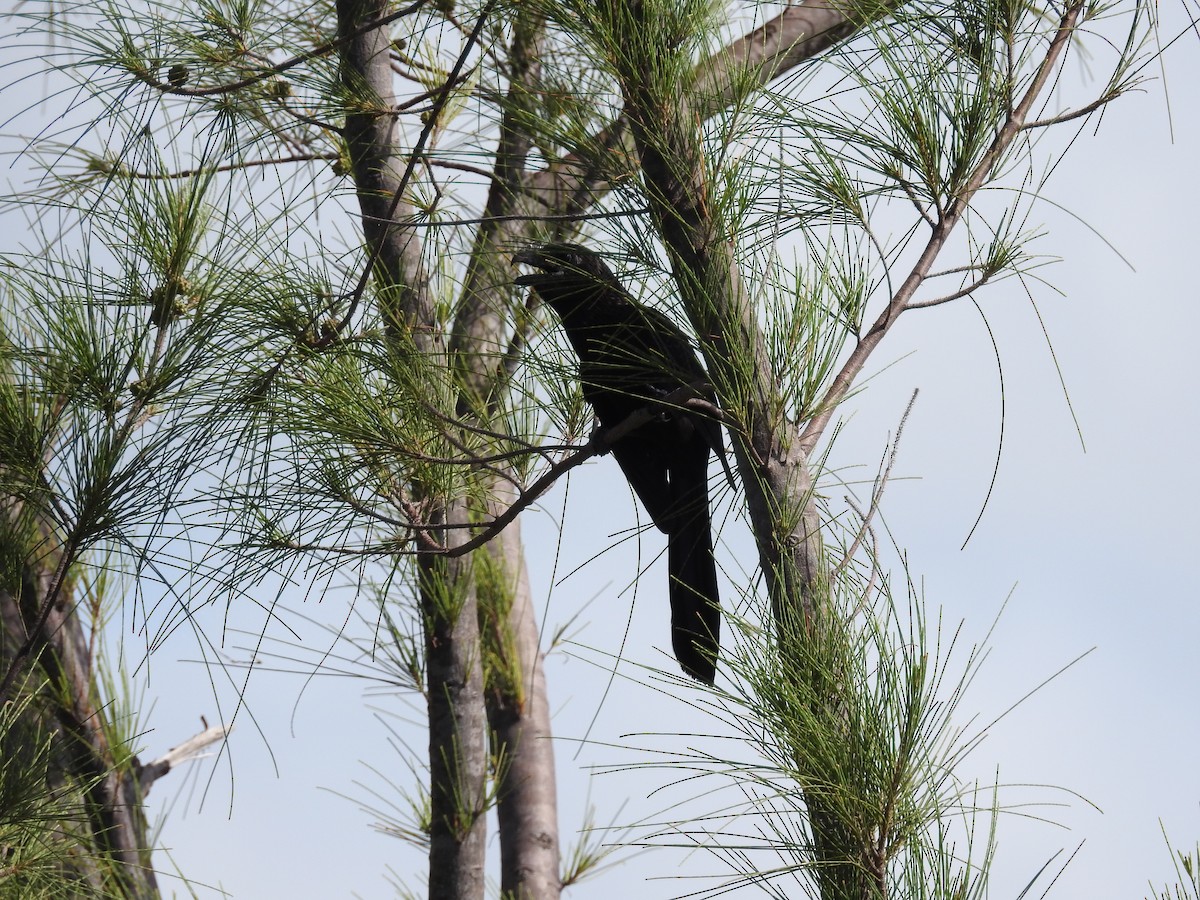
519, 715
447, 596
117, 862
518, 709
774, 470
457, 743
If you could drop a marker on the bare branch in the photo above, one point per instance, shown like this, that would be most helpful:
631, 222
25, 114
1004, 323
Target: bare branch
278, 68
1070, 115
1013, 126
381, 191
957, 295
797, 34
598, 444
192, 748
569, 186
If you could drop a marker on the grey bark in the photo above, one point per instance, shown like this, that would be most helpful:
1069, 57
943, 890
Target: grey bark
519, 715
774, 469
771, 451
483, 343
108, 780
394, 251
457, 724
780, 490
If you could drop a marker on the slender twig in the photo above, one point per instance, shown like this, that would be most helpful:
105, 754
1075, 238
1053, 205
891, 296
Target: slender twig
866, 530
298, 158
228, 167
877, 489
278, 68
430, 95
916, 202
192, 748
956, 295
1068, 116
1013, 125
528, 217
598, 444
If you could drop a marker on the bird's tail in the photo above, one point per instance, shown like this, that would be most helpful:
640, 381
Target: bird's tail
695, 605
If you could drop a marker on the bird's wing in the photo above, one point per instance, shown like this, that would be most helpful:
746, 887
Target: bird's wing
683, 366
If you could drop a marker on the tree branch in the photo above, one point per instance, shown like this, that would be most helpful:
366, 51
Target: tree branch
1013, 125
322, 49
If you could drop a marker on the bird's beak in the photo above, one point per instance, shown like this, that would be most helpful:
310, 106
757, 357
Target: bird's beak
527, 257
531, 257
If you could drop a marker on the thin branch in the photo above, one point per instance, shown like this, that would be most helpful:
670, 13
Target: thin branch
916, 202
320, 50
1013, 126
598, 444
526, 217
796, 35
877, 490
190, 749
957, 295
431, 95
1079, 113
228, 167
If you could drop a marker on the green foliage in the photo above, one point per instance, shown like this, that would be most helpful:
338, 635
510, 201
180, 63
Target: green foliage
849, 743
501, 660
42, 828
856, 728
1187, 874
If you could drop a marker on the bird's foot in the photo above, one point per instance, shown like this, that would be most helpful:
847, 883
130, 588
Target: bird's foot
599, 441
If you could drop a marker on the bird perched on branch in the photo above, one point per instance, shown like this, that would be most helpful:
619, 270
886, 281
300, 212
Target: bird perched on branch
634, 360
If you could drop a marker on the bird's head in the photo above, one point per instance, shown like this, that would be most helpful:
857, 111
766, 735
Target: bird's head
563, 268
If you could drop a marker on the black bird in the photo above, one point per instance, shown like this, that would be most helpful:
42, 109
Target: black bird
631, 357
